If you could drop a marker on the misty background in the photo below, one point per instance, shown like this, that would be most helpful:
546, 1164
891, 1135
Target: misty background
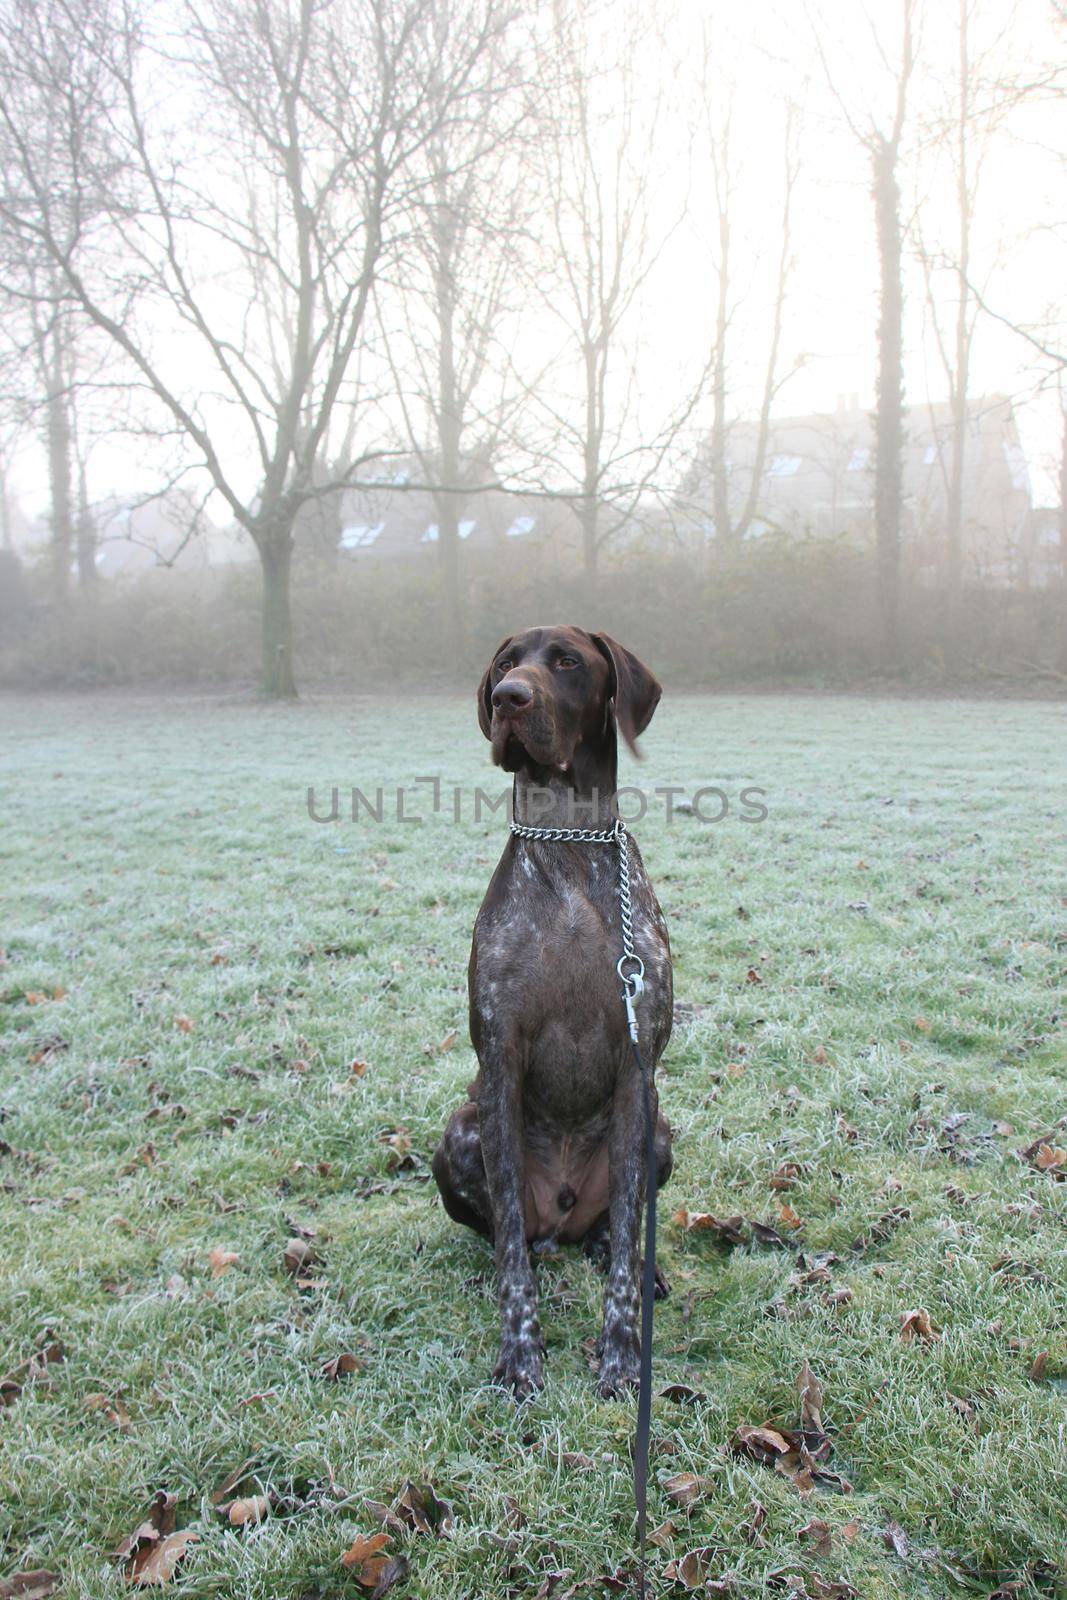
342, 337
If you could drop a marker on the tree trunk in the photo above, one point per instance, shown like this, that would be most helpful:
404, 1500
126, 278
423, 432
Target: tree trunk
961, 376
720, 471
276, 556
87, 574
448, 556
1062, 661
589, 517
60, 473
889, 425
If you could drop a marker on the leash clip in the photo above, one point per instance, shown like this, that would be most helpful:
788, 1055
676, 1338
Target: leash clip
633, 986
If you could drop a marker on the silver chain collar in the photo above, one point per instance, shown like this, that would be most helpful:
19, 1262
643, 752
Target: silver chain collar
630, 967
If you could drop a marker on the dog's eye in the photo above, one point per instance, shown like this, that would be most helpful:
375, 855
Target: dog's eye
567, 662
503, 666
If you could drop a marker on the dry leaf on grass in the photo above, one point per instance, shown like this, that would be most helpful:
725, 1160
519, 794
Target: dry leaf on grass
151, 1553
820, 1535
419, 1505
298, 1255
691, 1570
109, 1406
799, 1454
340, 1366
682, 1394
726, 1229
247, 1512
684, 1488
882, 1229
786, 1175
763, 1233
184, 1024
1046, 1155
662, 1535
35, 1584
364, 1557
1040, 1366
221, 1260
753, 1529
915, 1326
896, 1539
232, 1479
811, 1398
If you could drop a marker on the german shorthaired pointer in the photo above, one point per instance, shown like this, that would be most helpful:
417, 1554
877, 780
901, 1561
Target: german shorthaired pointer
550, 1145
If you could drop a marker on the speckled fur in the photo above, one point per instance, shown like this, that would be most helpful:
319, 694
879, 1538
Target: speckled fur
550, 1146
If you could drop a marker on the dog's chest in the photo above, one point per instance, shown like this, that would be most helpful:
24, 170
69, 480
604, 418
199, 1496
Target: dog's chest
545, 989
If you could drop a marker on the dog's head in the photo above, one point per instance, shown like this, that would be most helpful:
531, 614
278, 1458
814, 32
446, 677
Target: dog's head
548, 691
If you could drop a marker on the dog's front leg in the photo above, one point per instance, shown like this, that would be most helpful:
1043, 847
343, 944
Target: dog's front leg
500, 1113
619, 1345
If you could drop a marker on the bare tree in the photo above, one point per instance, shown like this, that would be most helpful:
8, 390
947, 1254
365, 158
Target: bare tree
961, 133
445, 322
728, 529
259, 159
606, 234
881, 140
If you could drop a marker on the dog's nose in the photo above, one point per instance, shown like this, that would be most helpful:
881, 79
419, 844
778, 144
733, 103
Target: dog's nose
512, 696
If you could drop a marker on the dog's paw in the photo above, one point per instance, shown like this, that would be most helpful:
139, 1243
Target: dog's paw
663, 1284
619, 1373
520, 1368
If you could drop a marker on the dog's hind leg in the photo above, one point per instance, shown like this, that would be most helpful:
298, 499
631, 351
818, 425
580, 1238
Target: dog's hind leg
459, 1171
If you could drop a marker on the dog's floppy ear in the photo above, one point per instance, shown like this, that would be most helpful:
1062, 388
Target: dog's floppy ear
485, 690
631, 686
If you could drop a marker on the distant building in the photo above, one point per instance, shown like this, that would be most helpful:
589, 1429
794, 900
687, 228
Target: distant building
392, 522
818, 478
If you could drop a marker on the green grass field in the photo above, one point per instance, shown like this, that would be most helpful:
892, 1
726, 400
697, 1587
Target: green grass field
871, 987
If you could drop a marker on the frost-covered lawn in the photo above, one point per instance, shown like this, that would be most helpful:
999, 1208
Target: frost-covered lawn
871, 985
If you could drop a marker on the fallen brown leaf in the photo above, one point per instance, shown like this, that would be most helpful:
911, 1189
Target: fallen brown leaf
786, 1175
691, 1569
340, 1366
820, 1535
811, 1398
184, 1024
298, 1254
916, 1325
1040, 1365
364, 1557
763, 1233
789, 1216
393, 1571
896, 1539
151, 1553
419, 1505
109, 1406
728, 1229
35, 1584
662, 1535
232, 1479
682, 1394
684, 1488
242, 1513
753, 1529
221, 1260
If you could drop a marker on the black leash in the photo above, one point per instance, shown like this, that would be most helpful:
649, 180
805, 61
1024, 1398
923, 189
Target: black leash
648, 1296
631, 970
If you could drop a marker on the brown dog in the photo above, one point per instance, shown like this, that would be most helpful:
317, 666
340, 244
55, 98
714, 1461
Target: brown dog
550, 1145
